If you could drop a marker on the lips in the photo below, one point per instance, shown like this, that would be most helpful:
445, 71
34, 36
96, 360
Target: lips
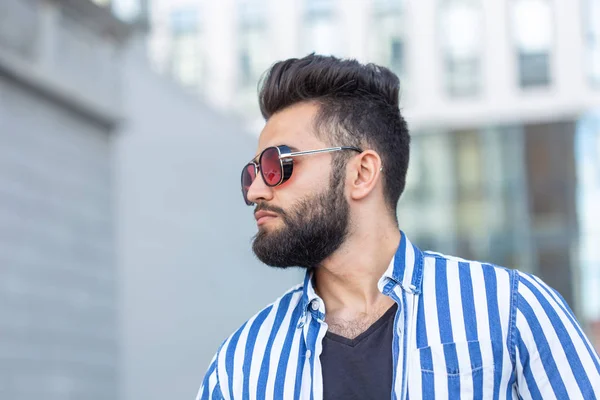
264, 216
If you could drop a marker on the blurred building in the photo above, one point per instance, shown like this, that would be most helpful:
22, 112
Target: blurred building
120, 214
459, 60
500, 97
59, 105
188, 277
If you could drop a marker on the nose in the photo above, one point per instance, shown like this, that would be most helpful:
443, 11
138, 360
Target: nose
258, 190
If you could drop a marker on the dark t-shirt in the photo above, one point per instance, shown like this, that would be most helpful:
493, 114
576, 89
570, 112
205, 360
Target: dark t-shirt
360, 368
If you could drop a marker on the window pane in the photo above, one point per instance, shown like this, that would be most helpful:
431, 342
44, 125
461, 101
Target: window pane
183, 21
322, 36
534, 69
397, 55
388, 45
186, 45
387, 6
469, 165
424, 208
587, 143
253, 57
251, 12
592, 17
387, 37
316, 8
461, 33
462, 76
461, 29
533, 25
532, 22
186, 59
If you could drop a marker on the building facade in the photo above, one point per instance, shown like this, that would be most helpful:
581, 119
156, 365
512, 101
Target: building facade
500, 96
461, 62
119, 215
59, 103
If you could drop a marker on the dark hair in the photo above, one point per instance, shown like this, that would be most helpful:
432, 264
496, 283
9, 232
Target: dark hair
358, 106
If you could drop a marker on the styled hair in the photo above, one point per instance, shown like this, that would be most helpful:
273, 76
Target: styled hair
358, 106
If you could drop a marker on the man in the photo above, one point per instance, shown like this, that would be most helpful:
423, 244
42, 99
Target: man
376, 317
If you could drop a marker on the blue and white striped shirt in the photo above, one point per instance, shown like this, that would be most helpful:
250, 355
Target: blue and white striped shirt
463, 329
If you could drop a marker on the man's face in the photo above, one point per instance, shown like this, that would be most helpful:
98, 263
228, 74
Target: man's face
308, 215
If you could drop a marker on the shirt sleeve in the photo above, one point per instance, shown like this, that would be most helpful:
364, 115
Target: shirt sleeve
210, 388
554, 358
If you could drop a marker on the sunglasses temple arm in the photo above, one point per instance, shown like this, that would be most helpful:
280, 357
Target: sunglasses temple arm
329, 150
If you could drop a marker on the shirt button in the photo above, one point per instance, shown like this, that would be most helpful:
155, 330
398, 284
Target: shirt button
314, 305
308, 353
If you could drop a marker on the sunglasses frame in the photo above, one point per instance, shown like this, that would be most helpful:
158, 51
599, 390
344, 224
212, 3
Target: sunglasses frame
286, 162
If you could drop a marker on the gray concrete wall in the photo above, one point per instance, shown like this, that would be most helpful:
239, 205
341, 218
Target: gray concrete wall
58, 304
124, 240
57, 285
188, 277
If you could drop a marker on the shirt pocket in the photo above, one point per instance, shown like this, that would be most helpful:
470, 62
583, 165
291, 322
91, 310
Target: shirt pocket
460, 369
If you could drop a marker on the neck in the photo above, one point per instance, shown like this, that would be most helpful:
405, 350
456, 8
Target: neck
347, 280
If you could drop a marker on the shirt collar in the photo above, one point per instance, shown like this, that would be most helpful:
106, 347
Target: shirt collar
309, 293
405, 269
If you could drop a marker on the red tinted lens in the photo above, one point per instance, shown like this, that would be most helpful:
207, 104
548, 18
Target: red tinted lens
248, 176
270, 166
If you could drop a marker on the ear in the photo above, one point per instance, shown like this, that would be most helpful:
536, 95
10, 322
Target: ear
363, 174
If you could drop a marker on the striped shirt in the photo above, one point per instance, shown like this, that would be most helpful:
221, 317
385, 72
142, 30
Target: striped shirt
463, 329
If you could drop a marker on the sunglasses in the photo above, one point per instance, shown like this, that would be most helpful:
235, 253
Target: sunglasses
276, 164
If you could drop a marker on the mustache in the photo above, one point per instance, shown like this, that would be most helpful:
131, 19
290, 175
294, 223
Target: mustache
267, 207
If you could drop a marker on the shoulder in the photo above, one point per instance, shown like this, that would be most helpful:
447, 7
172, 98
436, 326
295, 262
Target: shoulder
551, 345
249, 344
472, 289
535, 298
247, 349
253, 335
469, 269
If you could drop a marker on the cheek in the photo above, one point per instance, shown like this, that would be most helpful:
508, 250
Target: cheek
308, 177
313, 172
303, 183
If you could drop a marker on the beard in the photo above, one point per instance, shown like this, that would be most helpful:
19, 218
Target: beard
312, 230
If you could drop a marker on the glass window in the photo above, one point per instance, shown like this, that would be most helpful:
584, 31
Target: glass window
253, 54
251, 12
387, 39
532, 22
186, 46
187, 66
464, 195
184, 21
397, 55
592, 16
587, 142
321, 34
469, 163
386, 6
252, 57
461, 33
425, 209
470, 201
319, 8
